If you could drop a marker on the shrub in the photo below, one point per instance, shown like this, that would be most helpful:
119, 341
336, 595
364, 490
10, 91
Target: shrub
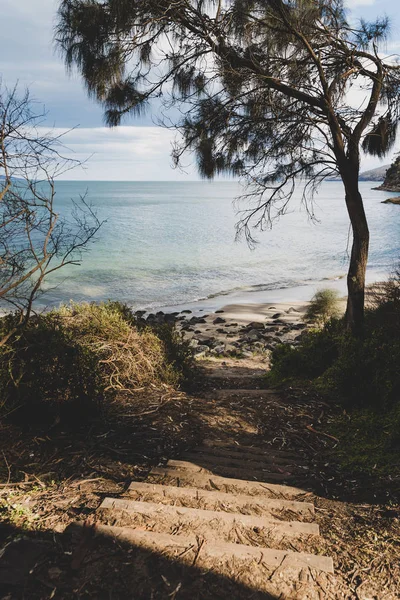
323, 307
178, 353
69, 360
354, 371
317, 352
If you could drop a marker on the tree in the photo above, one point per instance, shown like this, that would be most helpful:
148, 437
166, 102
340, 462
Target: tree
263, 92
34, 240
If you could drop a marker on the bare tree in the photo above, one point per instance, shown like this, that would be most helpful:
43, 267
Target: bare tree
263, 91
34, 240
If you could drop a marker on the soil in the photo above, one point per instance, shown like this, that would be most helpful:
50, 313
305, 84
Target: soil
54, 477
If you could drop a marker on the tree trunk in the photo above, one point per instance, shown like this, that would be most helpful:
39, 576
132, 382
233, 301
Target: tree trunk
359, 253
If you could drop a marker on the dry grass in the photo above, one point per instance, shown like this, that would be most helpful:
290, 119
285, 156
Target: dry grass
130, 359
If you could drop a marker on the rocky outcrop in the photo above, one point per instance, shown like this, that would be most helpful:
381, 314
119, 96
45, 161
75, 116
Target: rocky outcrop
392, 200
392, 178
211, 335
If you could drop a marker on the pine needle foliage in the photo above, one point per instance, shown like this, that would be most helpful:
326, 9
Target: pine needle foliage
258, 89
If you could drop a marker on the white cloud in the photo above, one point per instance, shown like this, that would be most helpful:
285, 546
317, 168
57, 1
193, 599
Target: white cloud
123, 153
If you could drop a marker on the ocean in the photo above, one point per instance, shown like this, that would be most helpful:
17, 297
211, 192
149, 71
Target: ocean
173, 243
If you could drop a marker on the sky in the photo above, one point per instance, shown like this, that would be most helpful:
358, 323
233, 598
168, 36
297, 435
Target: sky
138, 150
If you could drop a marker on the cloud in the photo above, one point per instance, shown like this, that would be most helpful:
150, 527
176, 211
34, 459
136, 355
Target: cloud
124, 153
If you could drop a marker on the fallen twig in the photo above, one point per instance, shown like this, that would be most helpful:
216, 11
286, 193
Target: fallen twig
310, 428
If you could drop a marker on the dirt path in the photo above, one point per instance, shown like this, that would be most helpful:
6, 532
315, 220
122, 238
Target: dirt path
236, 503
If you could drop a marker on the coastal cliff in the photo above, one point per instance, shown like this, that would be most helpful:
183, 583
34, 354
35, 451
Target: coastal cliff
392, 178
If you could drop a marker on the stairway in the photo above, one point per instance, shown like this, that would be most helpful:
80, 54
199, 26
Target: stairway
219, 503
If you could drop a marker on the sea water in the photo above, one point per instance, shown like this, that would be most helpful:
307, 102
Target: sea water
173, 243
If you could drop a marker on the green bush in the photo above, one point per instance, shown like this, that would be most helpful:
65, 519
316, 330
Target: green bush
44, 369
354, 371
178, 353
70, 360
323, 307
317, 352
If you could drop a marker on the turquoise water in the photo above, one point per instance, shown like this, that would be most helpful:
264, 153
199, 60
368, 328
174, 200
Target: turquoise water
171, 243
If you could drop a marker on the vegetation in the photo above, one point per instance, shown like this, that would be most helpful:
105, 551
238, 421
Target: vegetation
362, 375
323, 306
263, 90
35, 240
67, 362
392, 177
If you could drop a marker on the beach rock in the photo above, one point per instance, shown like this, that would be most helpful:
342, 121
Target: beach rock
392, 200
256, 325
170, 317
218, 349
254, 333
140, 313
200, 349
268, 338
186, 312
277, 315
207, 341
197, 320
230, 349
218, 312
292, 310
259, 345
219, 320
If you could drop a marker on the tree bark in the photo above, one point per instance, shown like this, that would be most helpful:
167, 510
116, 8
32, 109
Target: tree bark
359, 253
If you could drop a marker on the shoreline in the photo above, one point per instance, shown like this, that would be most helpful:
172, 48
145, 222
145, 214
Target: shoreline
301, 293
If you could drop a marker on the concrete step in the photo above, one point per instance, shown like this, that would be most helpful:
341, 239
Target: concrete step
238, 461
236, 472
268, 395
240, 454
203, 480
188, 547
217, 522
198, 498
266, 451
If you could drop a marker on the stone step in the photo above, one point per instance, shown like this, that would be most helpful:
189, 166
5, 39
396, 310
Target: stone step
268, 395
185, 478
208, 459
238, 453
236, 472
190, 516
188, 547
266, 451
198, 498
